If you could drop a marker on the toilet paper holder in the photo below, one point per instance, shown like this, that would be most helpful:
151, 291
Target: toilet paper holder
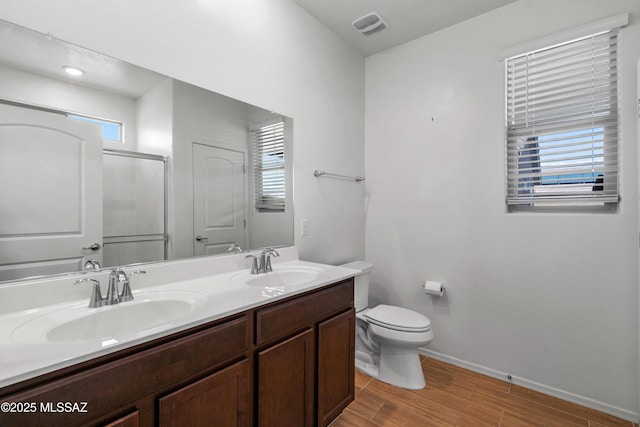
433, 288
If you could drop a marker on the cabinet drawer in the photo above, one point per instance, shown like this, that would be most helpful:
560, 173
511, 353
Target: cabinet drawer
117, 384
290, 316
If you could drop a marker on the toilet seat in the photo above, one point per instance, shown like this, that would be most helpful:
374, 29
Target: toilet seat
397, 319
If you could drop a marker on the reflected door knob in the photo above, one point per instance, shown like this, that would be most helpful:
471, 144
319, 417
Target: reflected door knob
199, 238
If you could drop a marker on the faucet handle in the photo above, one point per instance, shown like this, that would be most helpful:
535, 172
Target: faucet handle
271, 251
254, 265
96, 296
266, 256
125, 293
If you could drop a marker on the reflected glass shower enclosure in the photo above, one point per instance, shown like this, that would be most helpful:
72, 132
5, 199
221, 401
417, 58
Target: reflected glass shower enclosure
135, 208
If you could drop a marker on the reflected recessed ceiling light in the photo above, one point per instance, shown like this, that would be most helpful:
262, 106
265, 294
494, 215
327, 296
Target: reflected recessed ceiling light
73, 71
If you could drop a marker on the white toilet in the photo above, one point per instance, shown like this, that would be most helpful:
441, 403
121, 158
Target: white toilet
388, 337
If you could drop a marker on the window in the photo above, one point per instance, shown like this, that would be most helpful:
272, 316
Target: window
111, 131
562, 124
268, 160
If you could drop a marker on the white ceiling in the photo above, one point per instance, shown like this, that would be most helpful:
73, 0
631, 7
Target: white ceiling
34, 52
407, 19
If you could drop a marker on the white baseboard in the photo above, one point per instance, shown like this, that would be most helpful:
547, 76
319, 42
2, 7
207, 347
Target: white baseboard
561, 394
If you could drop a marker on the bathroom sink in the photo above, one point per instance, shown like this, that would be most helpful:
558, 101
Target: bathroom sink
149, 312
280, 280
287, 277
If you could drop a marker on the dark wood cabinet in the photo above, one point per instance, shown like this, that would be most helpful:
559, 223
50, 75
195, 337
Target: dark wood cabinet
124, 384
286, 383
336, 355
287, 363
308, 379
220, 399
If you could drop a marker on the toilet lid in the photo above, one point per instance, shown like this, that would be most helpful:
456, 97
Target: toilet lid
398, 318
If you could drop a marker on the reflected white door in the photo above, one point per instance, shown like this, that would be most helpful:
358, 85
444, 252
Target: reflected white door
218, 199
50, 193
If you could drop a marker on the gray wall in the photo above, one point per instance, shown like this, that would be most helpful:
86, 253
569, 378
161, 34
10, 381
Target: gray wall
551, 299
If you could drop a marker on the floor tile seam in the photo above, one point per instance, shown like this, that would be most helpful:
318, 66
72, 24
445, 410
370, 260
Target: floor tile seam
466, 404
368, 382
458, 414
501, 417
596, 423
377, 398
586, 418
411, 404
536, 406
359, 415
541, 422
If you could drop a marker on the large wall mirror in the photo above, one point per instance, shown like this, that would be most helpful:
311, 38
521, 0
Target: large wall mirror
118, 165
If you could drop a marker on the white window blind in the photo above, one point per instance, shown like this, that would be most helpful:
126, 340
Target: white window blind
562, 123
268, 144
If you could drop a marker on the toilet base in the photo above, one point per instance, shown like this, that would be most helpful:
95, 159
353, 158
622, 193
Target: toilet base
401, 367
397, 366
368, 368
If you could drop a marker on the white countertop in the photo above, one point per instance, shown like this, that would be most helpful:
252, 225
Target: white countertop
215, 284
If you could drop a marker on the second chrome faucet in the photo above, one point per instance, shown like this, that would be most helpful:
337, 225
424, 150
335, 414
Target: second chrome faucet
263, 265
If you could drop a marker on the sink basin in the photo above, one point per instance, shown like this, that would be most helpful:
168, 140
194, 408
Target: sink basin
149, 312
279, 281
288, 277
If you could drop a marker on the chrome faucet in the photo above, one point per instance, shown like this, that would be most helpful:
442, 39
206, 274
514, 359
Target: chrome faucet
115, 293
92, 264
262, 265
235, 248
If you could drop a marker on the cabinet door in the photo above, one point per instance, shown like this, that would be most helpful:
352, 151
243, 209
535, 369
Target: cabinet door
286, 383
336, 360
221, 399
131, 420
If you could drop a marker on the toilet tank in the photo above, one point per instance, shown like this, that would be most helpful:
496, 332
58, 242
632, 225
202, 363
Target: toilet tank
361, 283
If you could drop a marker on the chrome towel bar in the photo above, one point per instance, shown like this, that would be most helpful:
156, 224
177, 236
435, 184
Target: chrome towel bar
318, 173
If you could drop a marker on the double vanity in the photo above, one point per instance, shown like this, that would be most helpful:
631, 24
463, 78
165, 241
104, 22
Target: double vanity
203, 342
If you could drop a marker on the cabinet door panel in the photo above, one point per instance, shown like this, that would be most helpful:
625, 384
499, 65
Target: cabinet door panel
286, 383
336, 359
221, 399
131, 420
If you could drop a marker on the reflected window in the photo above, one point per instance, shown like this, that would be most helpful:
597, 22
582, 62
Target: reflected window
268, 163
111, 130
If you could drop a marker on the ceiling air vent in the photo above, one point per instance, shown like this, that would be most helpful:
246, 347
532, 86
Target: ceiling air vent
369, 24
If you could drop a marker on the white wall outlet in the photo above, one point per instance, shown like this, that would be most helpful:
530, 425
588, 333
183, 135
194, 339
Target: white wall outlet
304, 227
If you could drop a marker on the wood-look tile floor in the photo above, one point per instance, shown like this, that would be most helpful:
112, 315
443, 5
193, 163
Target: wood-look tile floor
458, 397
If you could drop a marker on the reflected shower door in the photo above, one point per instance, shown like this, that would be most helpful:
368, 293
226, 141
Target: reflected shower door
134, 208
